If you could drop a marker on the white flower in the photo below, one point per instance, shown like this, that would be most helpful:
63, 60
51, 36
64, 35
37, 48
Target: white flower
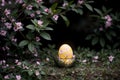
37, 73
47, 59
111, 58
38, 63
84, 61
96, 57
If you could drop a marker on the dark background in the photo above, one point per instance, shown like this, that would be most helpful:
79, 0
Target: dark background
79, 26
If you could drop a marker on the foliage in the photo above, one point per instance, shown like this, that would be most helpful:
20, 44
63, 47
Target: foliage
25, 23
104, 25
89, 65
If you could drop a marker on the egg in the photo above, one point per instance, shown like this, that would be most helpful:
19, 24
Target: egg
65, 54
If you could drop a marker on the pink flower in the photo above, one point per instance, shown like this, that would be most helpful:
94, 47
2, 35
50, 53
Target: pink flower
7, 48
19, 1
80, 1
14, 39
3, 19
3, 3
65, 4
25, 67
18, 77
3, 61
37, 39
6, 77
32, 15
8, 25
108, 24
16, 61
19, 63
9, 2
38, 1
3, 32
101, 29
111, 58
55, 17
7, 12
38, 12
108, 18
0, 62
40, 22
46, 10
13, 20
29, 7
18, 25
3, 48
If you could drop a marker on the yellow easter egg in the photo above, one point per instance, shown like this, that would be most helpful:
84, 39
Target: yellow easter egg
65, 52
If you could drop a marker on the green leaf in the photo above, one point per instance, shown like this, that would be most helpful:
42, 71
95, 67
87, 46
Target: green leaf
98, 11
94, 40
104, 9
102, 42
43, 73
89, 7
29, 35
80, 11
48, 28
23, 43
34, 22
89, 37
108, 36
30, 72
31, 47
45, 23
67, 22
54, 6
39, 77
30, 27
75, 10
58, 11
45, 35
37, 43
112, 33
89, 55
116, 45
